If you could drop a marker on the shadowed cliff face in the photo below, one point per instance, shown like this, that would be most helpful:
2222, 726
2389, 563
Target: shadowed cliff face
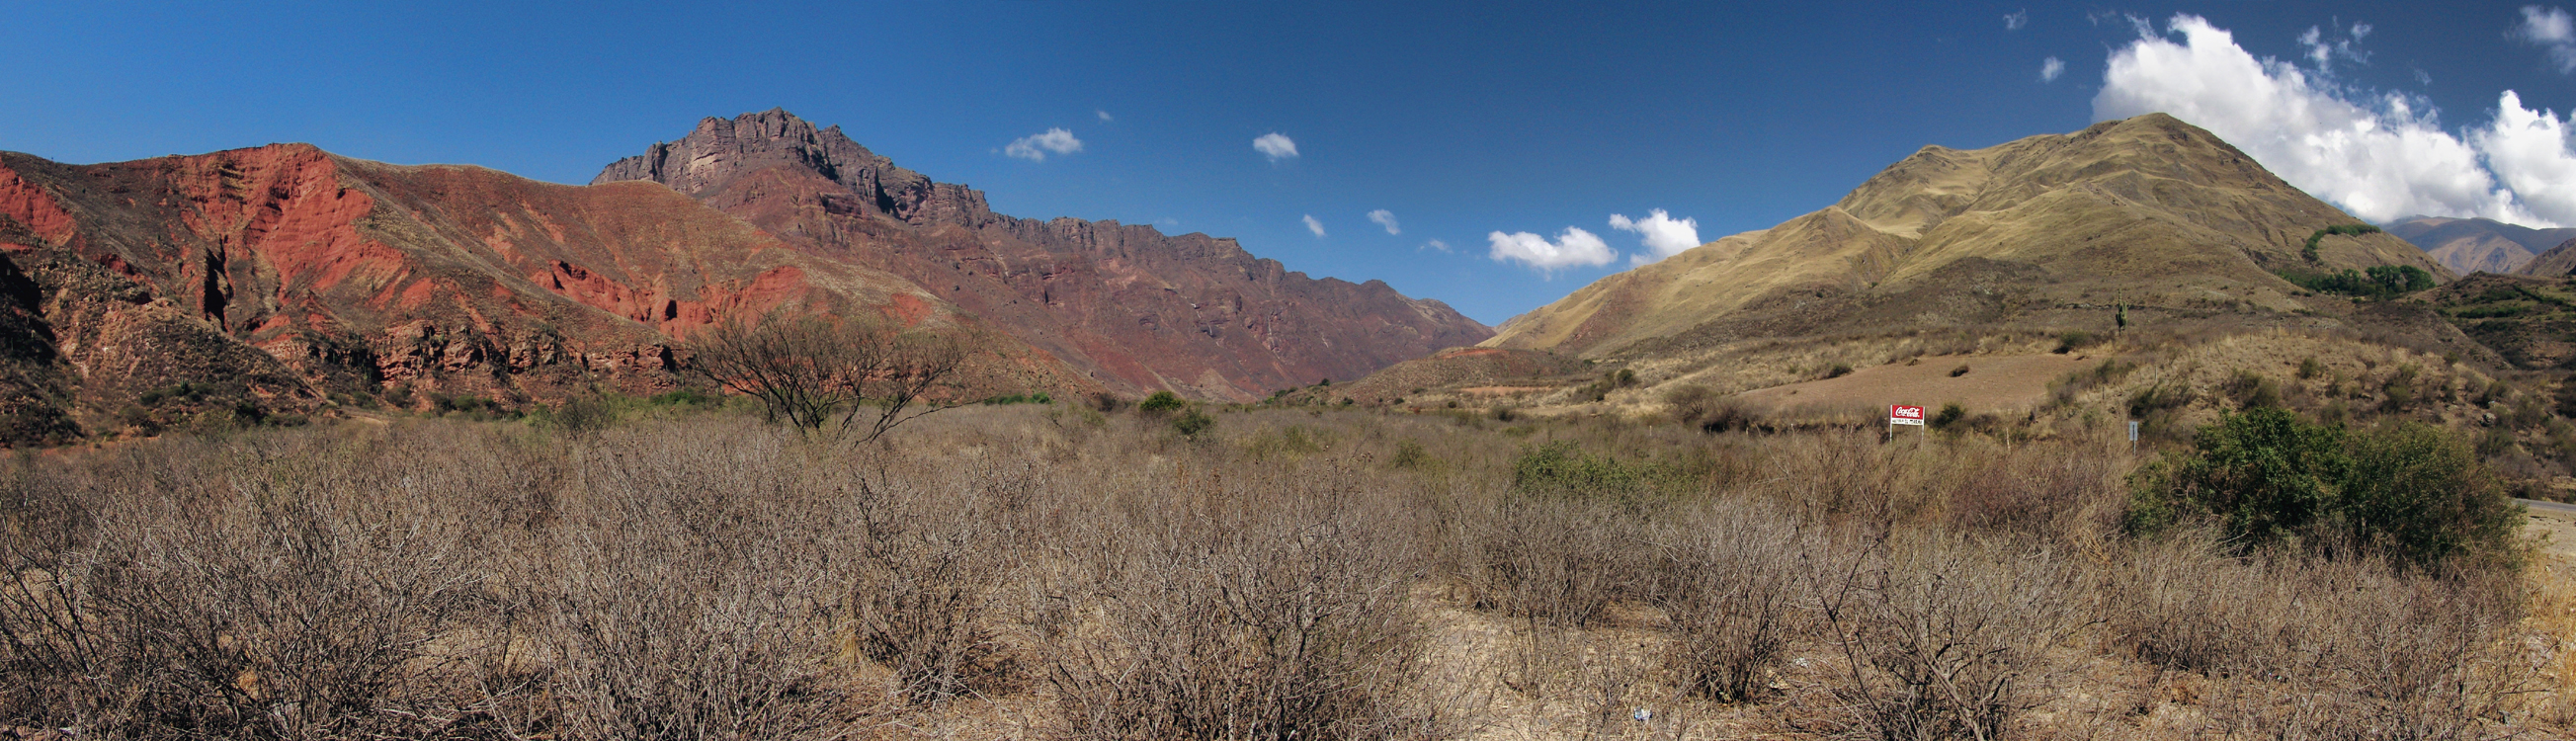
1127, 305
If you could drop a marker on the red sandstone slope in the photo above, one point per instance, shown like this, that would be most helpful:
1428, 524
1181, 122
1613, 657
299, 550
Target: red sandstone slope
361, 278
1128, 305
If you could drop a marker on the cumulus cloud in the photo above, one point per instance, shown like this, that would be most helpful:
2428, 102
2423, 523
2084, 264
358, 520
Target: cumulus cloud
1104, 115
1034, 148
1662, 235
2051, 68
2528, 149
1314, 226
2016, 20
2377, 156
1572, 248
2553, 31
1276, 146
1386, 219
1435, 244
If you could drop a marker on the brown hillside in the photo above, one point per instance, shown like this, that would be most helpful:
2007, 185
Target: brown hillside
1127, 305
2558, 261
2041, 233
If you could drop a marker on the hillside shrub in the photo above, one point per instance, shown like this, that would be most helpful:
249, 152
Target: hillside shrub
1160, 403
1192, 423
2380, 281
2265, 476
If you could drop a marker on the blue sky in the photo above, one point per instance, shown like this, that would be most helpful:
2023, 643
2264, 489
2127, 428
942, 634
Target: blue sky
1492, 128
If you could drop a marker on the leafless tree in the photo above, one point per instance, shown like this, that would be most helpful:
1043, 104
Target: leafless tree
819, 373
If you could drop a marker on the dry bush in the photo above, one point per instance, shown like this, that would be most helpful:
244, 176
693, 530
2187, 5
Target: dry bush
2326, 649
275, 585
933, 555
1265, 609
1729, 591
691, 594
1948, 637
817, 372
1555, 560
2066, 492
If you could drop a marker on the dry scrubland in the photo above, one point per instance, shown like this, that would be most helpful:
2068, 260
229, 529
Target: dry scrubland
1052, 572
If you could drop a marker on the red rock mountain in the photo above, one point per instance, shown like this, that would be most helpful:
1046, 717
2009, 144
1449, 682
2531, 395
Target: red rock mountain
284, 280
1127, 305
272, 279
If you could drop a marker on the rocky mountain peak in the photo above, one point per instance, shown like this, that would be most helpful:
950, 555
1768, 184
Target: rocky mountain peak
720, 151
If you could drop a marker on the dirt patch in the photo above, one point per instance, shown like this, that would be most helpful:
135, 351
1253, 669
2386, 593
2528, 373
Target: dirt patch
1505, 390
1993, 383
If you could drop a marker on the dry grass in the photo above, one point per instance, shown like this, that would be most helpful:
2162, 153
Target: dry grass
1049, 572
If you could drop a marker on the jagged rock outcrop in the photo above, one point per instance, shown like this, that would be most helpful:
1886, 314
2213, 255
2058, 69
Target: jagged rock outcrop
1128, 305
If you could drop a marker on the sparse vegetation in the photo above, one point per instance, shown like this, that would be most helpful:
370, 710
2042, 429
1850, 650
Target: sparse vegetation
1312, 573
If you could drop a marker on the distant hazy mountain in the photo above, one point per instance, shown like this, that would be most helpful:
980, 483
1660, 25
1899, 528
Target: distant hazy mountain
2477, 245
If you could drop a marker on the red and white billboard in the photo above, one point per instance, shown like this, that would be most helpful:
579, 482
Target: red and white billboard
1904, 415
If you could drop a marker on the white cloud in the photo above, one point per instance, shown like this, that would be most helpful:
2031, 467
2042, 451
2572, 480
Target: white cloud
2324, 52
2528, 150
1386, 219
1435, 244
1034, 148
1662, 235
1314, 226
1276, 146
1571, 248
2552, 30
1104, 115
2374, 156
2051, 68
2016, 20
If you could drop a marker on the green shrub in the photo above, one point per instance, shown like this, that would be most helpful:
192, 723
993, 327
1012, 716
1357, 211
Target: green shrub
1950, 414
2266, 476
2422, 495
1160, 402
1192, 423
2380, 281
1561, 468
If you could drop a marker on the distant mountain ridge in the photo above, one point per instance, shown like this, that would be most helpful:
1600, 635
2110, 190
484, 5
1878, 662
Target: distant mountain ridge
2477, 245
1131, 307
